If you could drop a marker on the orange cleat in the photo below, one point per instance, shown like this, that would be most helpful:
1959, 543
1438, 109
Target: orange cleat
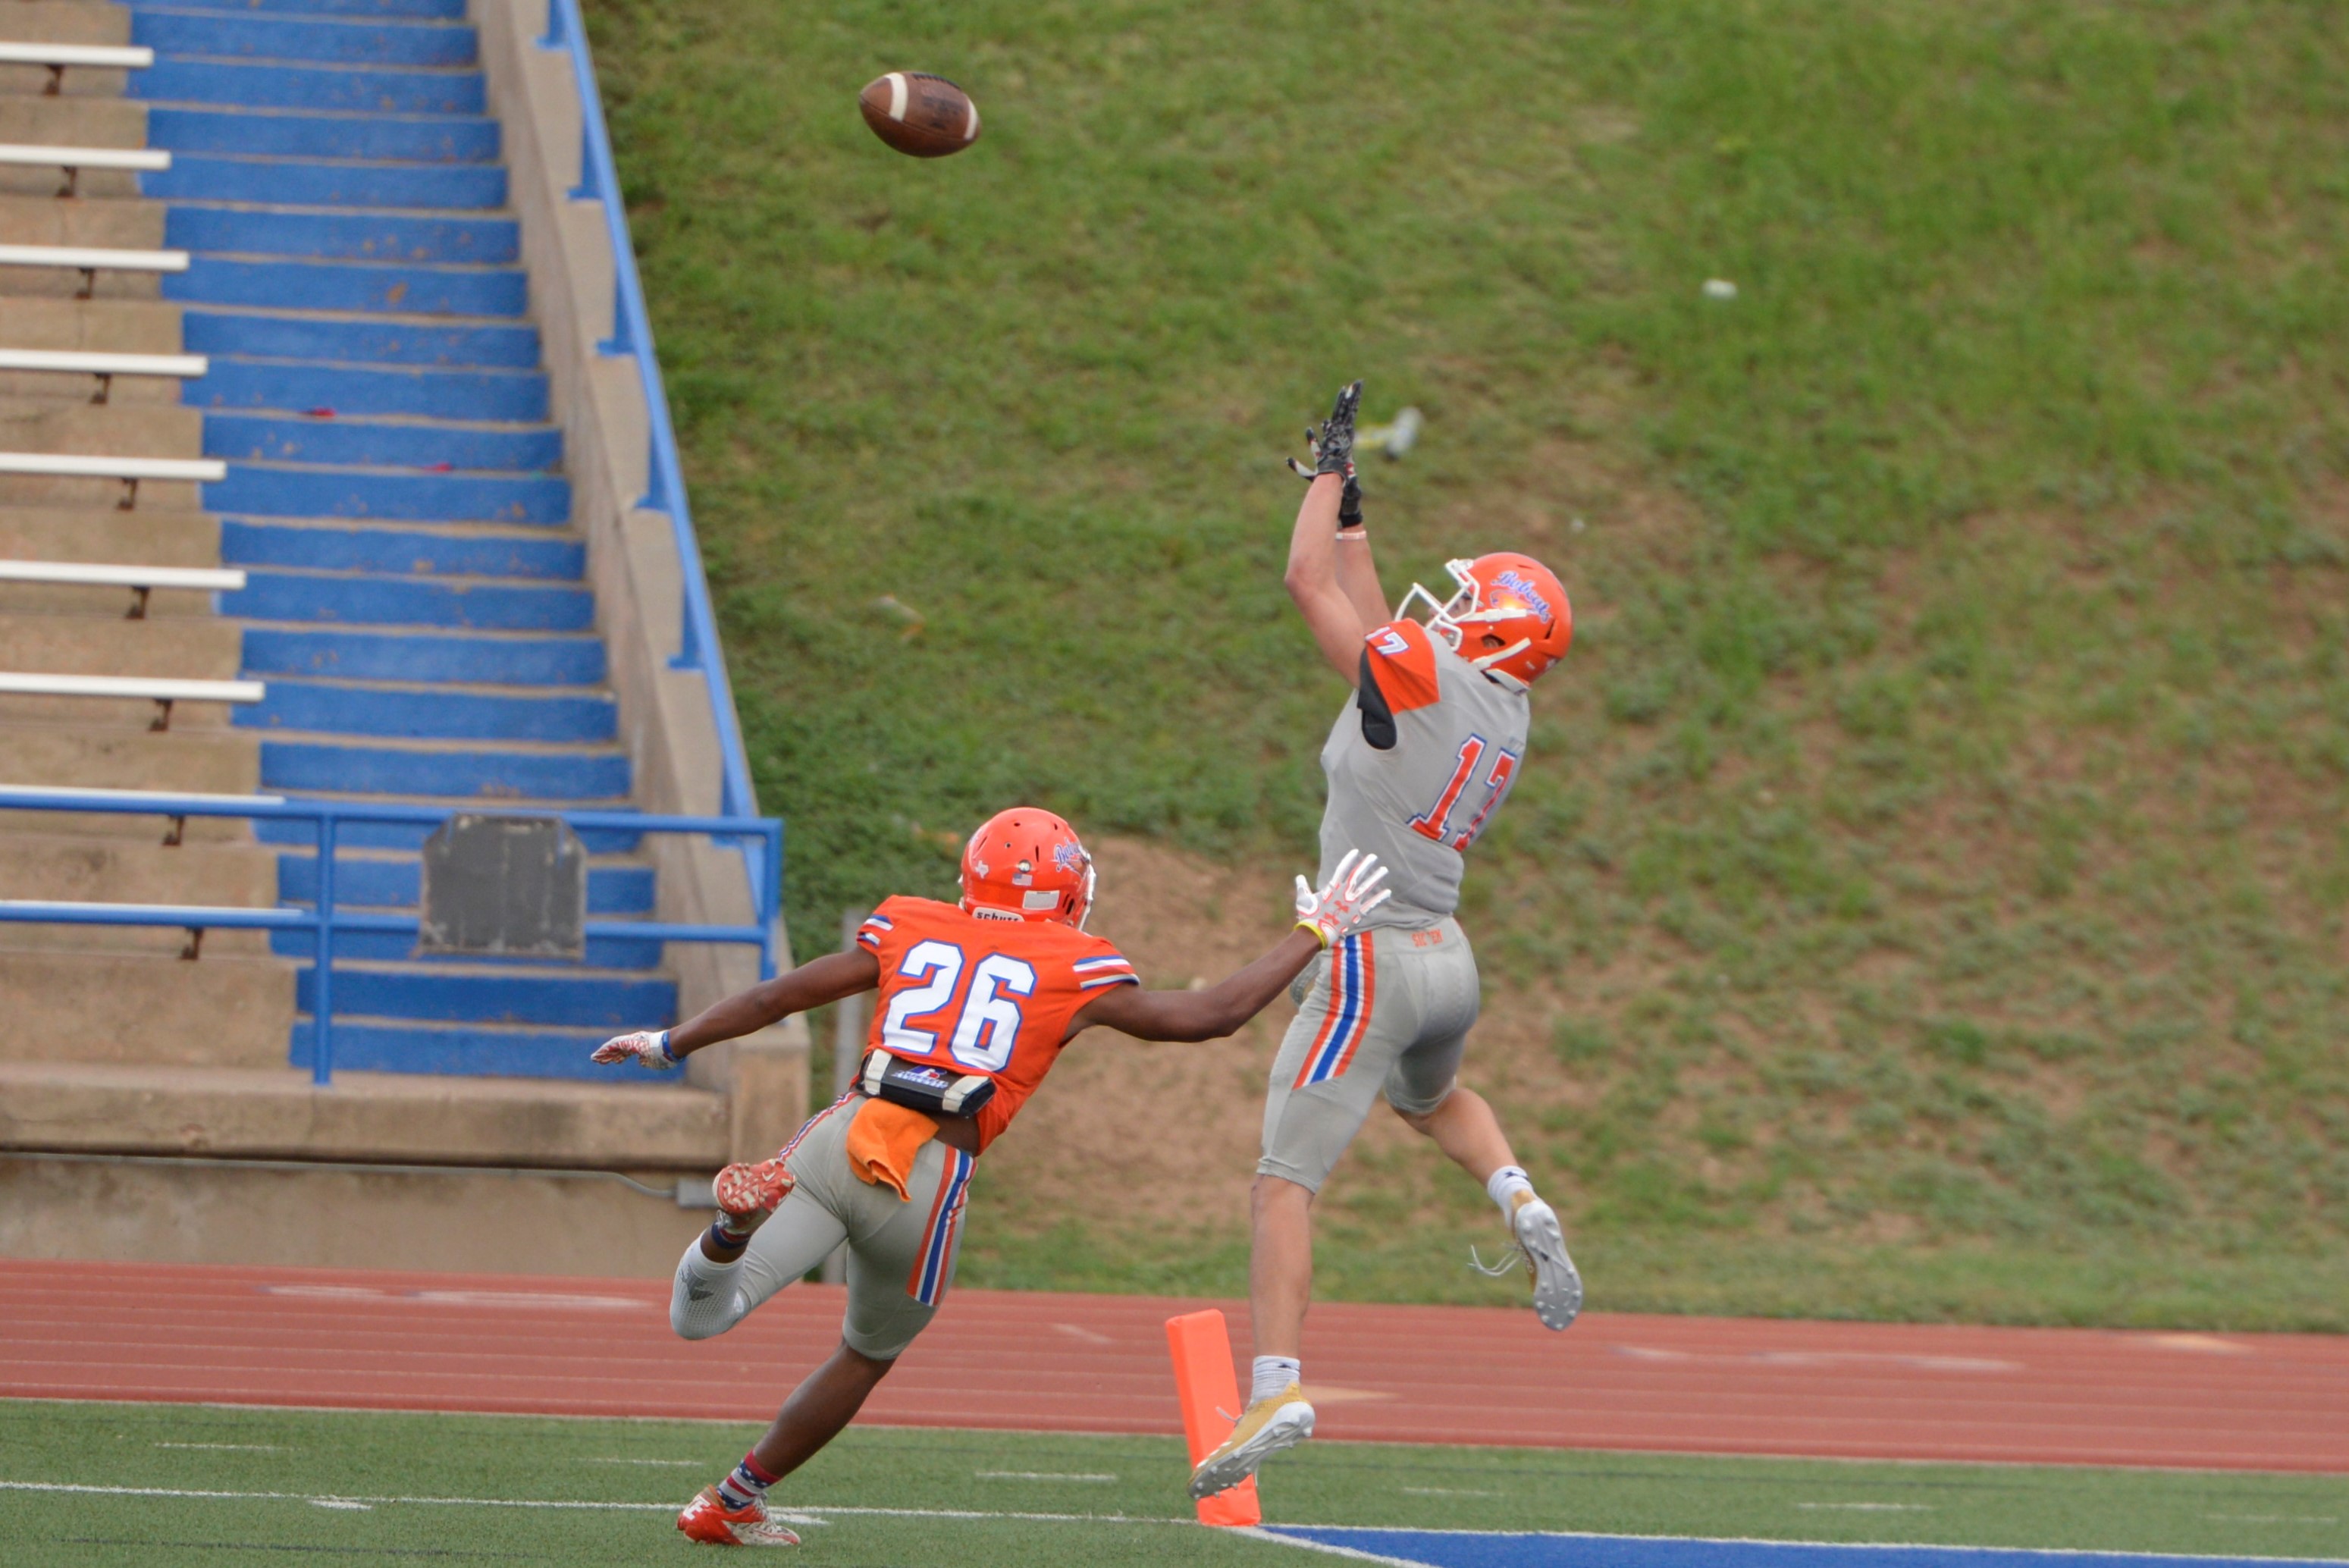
707, 1520
747, 1194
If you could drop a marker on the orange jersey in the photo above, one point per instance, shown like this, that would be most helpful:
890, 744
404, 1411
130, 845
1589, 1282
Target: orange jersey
991, 997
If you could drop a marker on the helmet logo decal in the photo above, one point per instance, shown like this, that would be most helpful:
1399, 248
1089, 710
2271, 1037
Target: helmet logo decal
1516, 581
1070, 857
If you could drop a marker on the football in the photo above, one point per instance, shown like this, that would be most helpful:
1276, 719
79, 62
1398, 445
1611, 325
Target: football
918, 114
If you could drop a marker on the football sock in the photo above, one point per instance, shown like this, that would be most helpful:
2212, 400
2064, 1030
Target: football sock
1274, 1374
748, 1482
1504, 1186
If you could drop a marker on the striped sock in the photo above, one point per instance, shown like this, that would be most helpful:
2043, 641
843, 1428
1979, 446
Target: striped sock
747, 1485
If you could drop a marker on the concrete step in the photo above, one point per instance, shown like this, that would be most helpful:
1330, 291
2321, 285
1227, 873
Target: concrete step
327, 234
390, 879
374, 40
295, 385
344, 88
129, 757
384, 442
105, 533
473, 1050
355, 599
445, 549
312, 183
361, 340
390, 947
74, 122
116, 869
76, 1004
510, 658
421, 138
107, 429
469, 291
584, 999
293, 490
186, 647
66, 22
96, 326
186, 717
500, 771
109, 225
362, 10
278, 1113
410, 837
422, 712
164, 496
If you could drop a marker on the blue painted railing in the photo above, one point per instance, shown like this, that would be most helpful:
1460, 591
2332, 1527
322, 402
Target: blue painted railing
632, 335
761, 837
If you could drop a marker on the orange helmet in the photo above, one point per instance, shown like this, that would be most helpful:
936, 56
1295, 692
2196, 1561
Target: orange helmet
1508, 615
1027, 864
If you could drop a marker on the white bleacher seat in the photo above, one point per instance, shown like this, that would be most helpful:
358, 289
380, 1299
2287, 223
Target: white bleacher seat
105, 367
129, 471
72, 161
141, 580
161, 692
90, 261
59, 56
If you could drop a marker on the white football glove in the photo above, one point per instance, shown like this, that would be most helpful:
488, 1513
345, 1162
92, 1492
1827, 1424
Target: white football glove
1340, 906
648, 1048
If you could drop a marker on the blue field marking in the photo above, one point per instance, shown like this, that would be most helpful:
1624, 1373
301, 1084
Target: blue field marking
367, 1045
417, 554
1501, 1549
425, 139
375, 443
363, 654
333, 87
524, 996
500, 606
347, 285
285, 181
379, 41
485, 345
507, 396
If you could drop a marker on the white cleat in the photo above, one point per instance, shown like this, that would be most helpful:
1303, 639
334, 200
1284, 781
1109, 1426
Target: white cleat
1264, 1429
1558, 1286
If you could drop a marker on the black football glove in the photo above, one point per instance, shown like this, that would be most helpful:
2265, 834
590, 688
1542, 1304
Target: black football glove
1333, 450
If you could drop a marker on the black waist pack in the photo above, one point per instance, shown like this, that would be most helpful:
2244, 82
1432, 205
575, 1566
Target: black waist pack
924, 1087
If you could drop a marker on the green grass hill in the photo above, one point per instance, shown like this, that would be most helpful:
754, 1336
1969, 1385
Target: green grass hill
1929, 876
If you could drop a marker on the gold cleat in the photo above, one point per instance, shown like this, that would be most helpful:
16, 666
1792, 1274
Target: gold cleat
1264, 1429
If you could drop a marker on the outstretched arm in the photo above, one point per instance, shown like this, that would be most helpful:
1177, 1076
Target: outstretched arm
812, 985
1207, 1015
1332, 597
1322, 918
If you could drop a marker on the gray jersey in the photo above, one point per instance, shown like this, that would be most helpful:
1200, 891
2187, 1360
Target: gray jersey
1419, 762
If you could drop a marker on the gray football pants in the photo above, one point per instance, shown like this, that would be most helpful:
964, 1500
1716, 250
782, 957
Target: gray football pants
1387, 1009
901, 1254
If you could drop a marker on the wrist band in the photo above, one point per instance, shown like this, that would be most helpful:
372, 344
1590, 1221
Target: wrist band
666, 1055
1319, 935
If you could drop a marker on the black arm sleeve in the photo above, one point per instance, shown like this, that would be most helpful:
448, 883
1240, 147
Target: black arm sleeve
1378, 719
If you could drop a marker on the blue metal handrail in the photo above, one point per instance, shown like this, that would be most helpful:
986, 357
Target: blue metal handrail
632, 334
762, 838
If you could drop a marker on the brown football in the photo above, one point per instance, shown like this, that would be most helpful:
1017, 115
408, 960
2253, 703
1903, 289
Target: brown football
919, 114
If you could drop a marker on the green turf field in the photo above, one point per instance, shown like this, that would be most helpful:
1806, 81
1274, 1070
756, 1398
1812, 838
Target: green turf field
1930, 869
365, 1486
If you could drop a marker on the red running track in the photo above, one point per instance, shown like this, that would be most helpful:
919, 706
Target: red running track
1099, 1363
